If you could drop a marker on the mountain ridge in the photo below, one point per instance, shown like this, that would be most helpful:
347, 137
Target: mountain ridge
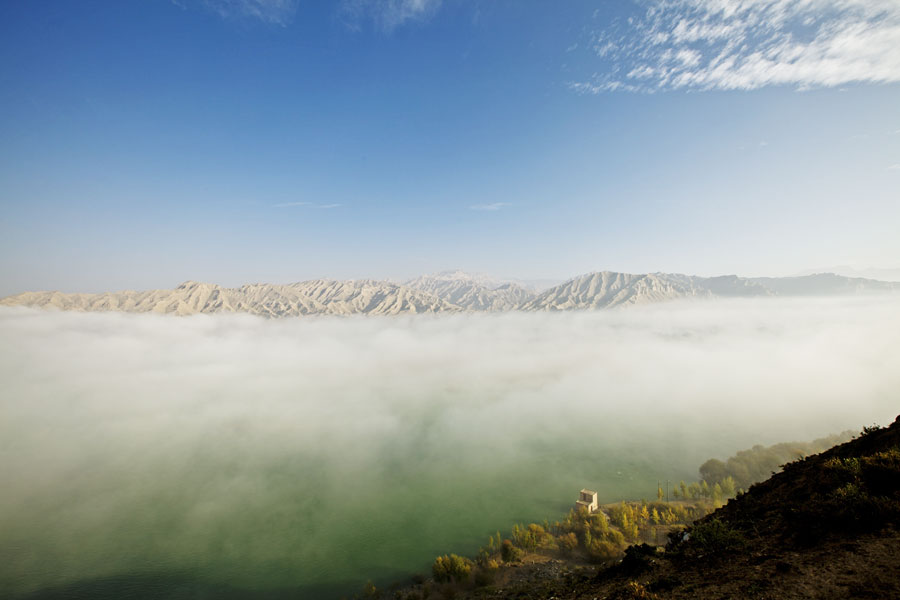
449, 291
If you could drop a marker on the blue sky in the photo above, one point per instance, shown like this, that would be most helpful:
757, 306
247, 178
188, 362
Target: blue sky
234, 141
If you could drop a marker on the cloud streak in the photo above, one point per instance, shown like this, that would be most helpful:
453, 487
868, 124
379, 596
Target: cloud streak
493, 206
387, 15
748, 44
273, 12
306, 204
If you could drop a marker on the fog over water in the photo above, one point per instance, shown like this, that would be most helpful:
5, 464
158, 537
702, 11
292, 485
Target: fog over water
313, 454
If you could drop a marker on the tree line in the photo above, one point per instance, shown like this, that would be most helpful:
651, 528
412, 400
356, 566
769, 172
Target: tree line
759, 462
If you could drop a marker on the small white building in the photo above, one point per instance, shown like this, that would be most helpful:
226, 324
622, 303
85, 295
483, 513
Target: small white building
587, 499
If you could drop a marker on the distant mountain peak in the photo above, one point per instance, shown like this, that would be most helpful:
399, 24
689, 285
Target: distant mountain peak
193, 285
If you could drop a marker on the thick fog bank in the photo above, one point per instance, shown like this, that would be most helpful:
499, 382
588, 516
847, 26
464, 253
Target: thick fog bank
322, 451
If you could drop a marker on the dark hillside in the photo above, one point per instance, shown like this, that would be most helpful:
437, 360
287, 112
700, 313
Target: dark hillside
824, 527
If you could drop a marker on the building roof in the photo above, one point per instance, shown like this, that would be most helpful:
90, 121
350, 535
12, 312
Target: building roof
592, 492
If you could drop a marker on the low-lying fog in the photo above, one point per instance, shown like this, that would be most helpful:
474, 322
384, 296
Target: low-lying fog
241, 453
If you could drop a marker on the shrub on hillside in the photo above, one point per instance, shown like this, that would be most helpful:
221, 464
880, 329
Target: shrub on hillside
509, 552
486, 574
568, 542
716, 537
601, 551
451, 568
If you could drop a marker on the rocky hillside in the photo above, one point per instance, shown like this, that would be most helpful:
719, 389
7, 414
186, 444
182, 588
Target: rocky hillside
324, 297
607, 289
472, 293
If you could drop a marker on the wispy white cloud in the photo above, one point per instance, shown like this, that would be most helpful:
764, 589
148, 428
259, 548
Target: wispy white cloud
274, 12
388, 14
894, 167
748, 44
306, 204
491, 206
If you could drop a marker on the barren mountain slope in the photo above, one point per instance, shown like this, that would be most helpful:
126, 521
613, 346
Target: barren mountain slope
305, 298
607, 289
450, 291
472, 292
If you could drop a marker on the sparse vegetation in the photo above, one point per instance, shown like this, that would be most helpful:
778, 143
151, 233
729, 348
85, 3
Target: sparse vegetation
717, 538
451, 568
858, 493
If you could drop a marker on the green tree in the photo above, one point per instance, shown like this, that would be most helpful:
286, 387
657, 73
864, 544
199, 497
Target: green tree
693, 491
568, 542
631, 532
451, 568
716, 536
484, 555
602, 551
440, 569
713, 470
616, 538
600, 522
509, 552
728, 487
536, 536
